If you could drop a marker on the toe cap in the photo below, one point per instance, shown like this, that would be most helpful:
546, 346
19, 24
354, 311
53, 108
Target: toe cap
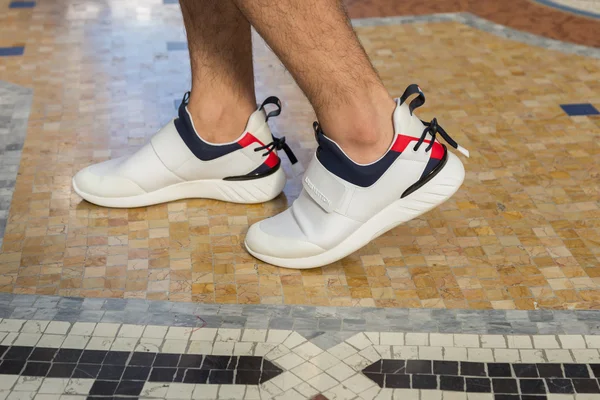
100, 180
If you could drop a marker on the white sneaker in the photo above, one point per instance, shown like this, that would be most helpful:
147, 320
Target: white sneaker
345, 205
178, 164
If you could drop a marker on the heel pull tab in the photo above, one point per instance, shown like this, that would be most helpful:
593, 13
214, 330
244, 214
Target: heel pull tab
274, 101
417, 101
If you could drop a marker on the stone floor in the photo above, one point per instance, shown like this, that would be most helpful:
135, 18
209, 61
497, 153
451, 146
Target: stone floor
491, 296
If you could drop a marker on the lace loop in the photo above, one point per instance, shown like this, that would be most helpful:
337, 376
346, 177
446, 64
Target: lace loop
276, 145
433, 128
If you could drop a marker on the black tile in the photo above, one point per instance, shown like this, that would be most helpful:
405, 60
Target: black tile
142, 359
532, 397
192, 361
233, 363
397, 381
111, 372
595, 369
374, 376
586, 386
92, 356
216, 362
505, 385
532, 386
268, 366
500, 370
201, 376
104, 388
550, 370
18, 353
478, 385
424, 382
130, 388
179, 375
68, 355
11, 367
166, 360
162, 374
268, 375
576, 371
61, 370
375, 367
136, 373
507, 397
472, 369
116, 358
3, 350
445, 367
42, 354
418, 367
393, 367
250, 363
89, 371
223, 377
525, 370
36, 369
452, 383
562, 386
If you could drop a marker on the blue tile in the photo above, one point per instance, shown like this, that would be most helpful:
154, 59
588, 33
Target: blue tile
174, 46
11, 51
170, 1
579, 109
22, 4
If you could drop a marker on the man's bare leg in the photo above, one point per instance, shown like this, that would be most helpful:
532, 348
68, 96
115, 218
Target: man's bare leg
220, 44
315, 41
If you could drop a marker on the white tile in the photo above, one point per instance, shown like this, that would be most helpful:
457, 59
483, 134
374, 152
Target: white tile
106, 329
268, 390
466, 340
252, 393
493, 341
232, 392
586, 356
27, 339
8, 339
342, 350
357, 362
131, 331
431, 395
290, 394
455, 354
306, 390
223, 348
43, 397
204, 334
52, 341
295, 339
58, 327
416, 339
8, 381
72, 397
34, 326
200, 347
480, 396
359, 341
322, 382
307, 350
79, 386
178, 333
370, 354
532, 356
286, 381
277, 352
431, 353
405, 352
54, 385
254, 335
339, 392
572, 341
391, 338
545, 342
306, 370
559, 356
553, 396
454, 396
174, 346
507, 355
593, 341
325, 361
480, 355
75, 342
383, 351
278, 335
243, 349
124, 344
11, 325
358, 383
340, 372
519, 342
180, 391
373, 337
99, 343
4, 394
82, 328
581, 396
441, 339
205, 392
406, 394
150, 345
289, 361
20, 396
261, 349
375, 393
155, 389
155, 332
28, 383
226, 334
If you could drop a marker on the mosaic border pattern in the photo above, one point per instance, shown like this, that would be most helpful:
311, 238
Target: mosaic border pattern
566, 8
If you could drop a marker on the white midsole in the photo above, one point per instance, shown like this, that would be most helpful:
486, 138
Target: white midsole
246, 192
432, 194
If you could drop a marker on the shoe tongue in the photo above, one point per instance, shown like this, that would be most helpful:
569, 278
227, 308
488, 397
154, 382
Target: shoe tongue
405, 123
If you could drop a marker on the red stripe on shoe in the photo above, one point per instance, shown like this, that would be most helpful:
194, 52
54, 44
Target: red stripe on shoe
248, 139
403, 141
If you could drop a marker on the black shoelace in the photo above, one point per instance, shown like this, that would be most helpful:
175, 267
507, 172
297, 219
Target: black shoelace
276, 145
433, 129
